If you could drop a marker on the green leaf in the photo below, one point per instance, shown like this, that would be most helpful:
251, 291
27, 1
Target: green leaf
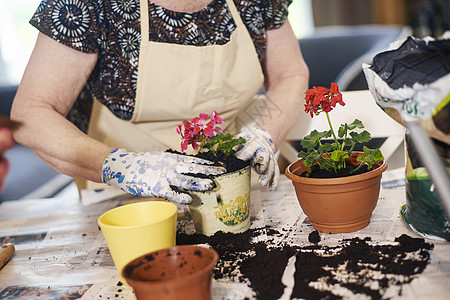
307, 163
224, 143
348, 142
326, 164
345, 128
228, 146
327, 148
302, 154
339, 155
314, 156
370, 157
377, 156
361, 137
342, 132
310, 141
355, 124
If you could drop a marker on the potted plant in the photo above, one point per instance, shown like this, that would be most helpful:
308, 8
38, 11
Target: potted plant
227, 207
337, 187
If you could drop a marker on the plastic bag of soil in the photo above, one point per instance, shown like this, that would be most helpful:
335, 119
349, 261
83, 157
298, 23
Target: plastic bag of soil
411, 82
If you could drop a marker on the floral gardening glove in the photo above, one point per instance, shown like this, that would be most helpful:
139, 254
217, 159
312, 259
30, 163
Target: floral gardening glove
157, 173
260, 149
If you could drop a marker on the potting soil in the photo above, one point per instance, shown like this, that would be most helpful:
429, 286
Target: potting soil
349, 170
231, 163
353, 267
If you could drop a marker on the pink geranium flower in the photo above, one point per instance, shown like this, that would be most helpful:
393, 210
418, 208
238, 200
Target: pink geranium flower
199, 130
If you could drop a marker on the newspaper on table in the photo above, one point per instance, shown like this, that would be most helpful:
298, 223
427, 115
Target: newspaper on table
61, 253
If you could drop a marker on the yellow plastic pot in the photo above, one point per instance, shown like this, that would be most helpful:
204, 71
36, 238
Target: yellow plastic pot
135, 229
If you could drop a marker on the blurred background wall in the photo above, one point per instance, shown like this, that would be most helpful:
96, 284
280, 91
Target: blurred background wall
17, 38
425, 17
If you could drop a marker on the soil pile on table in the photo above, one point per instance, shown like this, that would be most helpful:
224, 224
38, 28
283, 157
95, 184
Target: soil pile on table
358, 267
354, 266
241, 260
314, 237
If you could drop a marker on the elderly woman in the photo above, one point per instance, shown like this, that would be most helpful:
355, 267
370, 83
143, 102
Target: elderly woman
125, 73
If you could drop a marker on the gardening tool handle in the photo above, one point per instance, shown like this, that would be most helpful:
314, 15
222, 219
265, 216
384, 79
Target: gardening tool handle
6, 252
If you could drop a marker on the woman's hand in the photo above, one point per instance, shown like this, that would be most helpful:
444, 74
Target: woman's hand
158, 174
260, 150
6, 142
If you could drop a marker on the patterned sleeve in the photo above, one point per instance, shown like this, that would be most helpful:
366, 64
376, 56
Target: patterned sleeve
74, 23
274, 12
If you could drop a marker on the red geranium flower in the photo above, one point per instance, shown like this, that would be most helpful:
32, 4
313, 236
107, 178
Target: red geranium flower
320, 99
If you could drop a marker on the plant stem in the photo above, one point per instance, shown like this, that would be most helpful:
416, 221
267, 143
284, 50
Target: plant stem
357, 168
332, 131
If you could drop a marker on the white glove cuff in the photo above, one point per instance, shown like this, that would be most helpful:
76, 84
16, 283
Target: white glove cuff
109, 176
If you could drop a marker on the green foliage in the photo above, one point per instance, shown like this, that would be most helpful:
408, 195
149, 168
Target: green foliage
370, 157
332, 156
224, 142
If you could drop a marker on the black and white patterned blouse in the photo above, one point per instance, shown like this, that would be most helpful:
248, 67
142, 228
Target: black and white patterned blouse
111, 28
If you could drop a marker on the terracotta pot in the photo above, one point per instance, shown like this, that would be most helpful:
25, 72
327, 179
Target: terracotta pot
337, 205
225, 208
180, 272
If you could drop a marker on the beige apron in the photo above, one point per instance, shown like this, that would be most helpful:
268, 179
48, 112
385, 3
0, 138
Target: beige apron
176, 83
